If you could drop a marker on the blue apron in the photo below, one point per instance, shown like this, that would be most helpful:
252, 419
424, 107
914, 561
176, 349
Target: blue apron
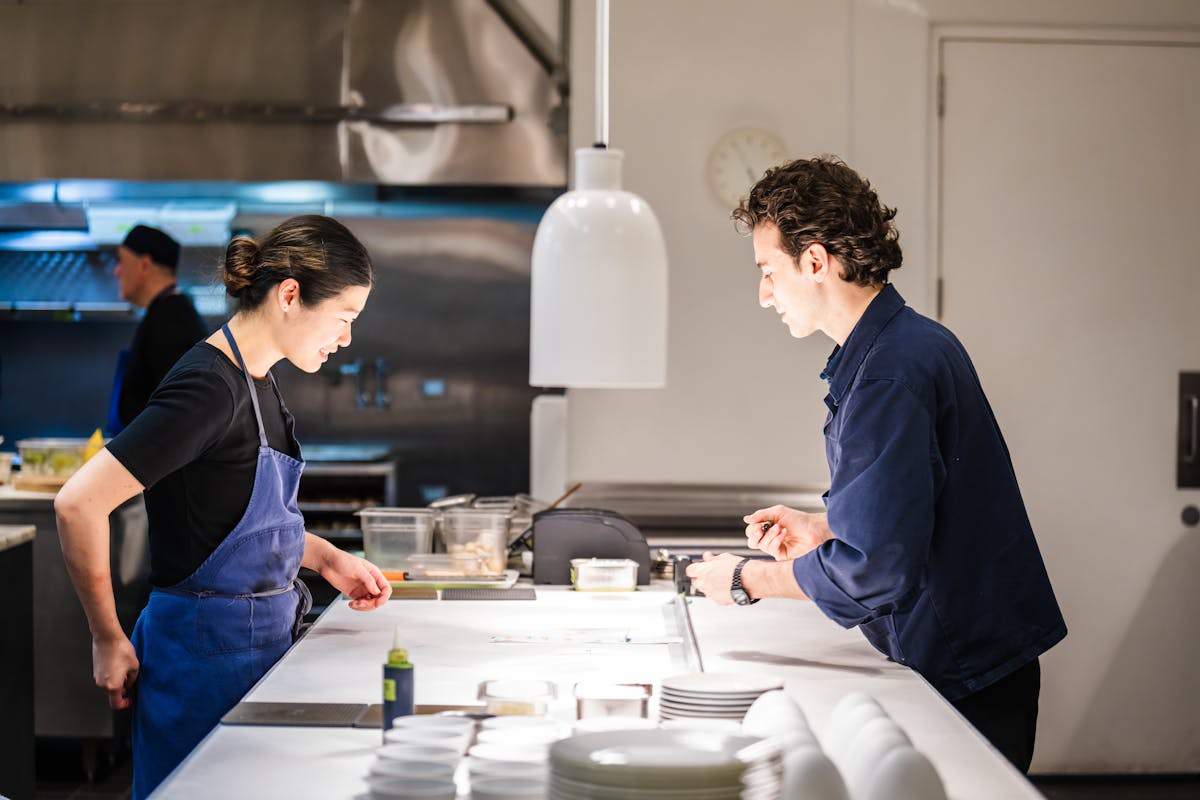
204, 642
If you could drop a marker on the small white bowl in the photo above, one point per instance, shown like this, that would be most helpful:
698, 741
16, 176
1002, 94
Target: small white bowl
442, 737
460, 724
904, 774
543, 734
594, 724
508, 789
809, 774
386, 788
412, 769
774, 713
480, 768
495, 723
867, 749
420, 752
490, 751
702, 724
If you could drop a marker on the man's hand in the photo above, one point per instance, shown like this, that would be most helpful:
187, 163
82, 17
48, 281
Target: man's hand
785, 533
115, 669
714, 576
357, 578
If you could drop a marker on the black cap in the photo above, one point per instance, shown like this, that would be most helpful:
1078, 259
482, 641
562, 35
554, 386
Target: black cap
147, 241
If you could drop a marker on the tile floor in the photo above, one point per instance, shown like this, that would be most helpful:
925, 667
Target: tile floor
60, 776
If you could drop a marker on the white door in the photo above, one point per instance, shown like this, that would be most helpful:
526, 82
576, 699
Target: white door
1069, 217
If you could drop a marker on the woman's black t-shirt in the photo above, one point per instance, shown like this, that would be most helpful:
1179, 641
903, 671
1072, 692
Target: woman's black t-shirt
195, 449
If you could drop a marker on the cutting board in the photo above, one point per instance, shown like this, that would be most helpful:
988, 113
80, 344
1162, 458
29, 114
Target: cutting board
38, 483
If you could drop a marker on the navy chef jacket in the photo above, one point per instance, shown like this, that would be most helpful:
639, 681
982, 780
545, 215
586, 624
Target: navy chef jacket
934, 557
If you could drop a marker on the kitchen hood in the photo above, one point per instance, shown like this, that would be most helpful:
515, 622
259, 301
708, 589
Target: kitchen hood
392, 92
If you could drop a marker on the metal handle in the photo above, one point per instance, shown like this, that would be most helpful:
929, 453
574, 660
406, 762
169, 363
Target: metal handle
1193, 413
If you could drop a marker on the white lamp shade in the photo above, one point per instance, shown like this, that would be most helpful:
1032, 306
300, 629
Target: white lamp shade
598, 315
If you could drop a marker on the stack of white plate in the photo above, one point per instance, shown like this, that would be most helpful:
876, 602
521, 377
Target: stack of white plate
712, 695
665, 765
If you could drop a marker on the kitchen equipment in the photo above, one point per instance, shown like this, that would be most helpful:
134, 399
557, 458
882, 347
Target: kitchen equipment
611, 699
563, 534
47, 463
390, 535
478, 532
6, 460
604, 574
526, 697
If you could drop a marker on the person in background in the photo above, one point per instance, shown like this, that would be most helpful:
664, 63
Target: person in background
925, 544
217, 455
145, 272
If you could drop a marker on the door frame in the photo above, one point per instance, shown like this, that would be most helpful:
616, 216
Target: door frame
940, 35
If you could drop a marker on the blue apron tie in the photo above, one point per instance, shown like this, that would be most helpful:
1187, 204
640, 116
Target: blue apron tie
204, 642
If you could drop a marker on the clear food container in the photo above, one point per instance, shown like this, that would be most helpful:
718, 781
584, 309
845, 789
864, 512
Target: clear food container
604, 574
51, 458
430, 566
477, 532
390, 535
611, 699
518, 696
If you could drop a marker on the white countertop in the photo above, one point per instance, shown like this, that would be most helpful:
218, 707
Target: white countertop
564, 637
13, 535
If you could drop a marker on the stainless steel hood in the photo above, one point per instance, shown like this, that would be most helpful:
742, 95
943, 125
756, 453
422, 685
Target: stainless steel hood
400, 92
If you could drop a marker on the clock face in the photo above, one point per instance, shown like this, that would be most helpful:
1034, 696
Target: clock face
739, 159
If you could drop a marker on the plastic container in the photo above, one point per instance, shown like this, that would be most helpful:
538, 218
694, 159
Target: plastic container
430, 566
611, 699
392, 534
517, 696
479, 532
52, 458
604, 574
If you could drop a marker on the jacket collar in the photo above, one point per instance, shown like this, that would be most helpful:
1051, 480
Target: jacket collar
845, 361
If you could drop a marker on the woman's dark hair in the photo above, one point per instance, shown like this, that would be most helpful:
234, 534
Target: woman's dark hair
823, 201
319, 252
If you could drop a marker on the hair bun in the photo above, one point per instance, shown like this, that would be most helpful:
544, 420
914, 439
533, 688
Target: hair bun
241, 259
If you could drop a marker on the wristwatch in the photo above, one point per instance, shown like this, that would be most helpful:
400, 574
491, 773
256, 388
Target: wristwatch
739, 594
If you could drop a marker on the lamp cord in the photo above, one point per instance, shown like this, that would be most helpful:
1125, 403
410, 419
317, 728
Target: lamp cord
602, 73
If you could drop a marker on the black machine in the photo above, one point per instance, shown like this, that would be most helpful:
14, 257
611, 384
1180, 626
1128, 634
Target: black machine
561, 534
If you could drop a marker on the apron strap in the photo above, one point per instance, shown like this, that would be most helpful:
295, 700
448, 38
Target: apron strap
262, 433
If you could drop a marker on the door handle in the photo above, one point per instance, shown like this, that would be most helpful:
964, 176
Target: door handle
1193, 413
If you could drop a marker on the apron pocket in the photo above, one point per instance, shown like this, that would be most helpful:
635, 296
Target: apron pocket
237, 624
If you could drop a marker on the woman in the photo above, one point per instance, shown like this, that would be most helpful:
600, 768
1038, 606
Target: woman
216, 454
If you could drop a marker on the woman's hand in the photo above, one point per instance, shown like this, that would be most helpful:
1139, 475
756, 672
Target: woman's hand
115, 669
355, 577
785, 533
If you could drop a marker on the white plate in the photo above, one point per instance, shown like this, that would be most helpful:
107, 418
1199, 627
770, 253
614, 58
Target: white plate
658, 759
688, 701
722, 683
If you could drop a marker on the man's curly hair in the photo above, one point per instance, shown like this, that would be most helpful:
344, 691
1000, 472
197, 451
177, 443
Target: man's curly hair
823, 201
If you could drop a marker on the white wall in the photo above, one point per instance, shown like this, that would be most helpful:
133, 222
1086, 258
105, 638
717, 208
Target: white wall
850, 77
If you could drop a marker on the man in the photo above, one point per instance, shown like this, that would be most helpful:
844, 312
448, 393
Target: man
925, 544
145, 273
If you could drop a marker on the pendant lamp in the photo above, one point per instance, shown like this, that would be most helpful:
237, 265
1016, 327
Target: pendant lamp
598, 315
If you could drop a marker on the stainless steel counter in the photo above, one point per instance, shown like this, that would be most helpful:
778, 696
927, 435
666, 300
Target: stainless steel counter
66, 700
454, 645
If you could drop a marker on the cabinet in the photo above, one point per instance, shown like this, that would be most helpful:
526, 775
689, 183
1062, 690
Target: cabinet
337, 481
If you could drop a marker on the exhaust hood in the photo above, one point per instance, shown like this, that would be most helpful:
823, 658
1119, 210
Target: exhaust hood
394, 92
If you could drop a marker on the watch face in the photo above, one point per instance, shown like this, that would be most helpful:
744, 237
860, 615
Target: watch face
740, 597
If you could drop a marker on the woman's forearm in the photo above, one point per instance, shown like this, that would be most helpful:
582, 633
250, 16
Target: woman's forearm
81, 508
85, 545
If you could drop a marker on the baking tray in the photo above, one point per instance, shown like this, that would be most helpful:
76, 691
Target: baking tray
505, 581
476, 593
318, 715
